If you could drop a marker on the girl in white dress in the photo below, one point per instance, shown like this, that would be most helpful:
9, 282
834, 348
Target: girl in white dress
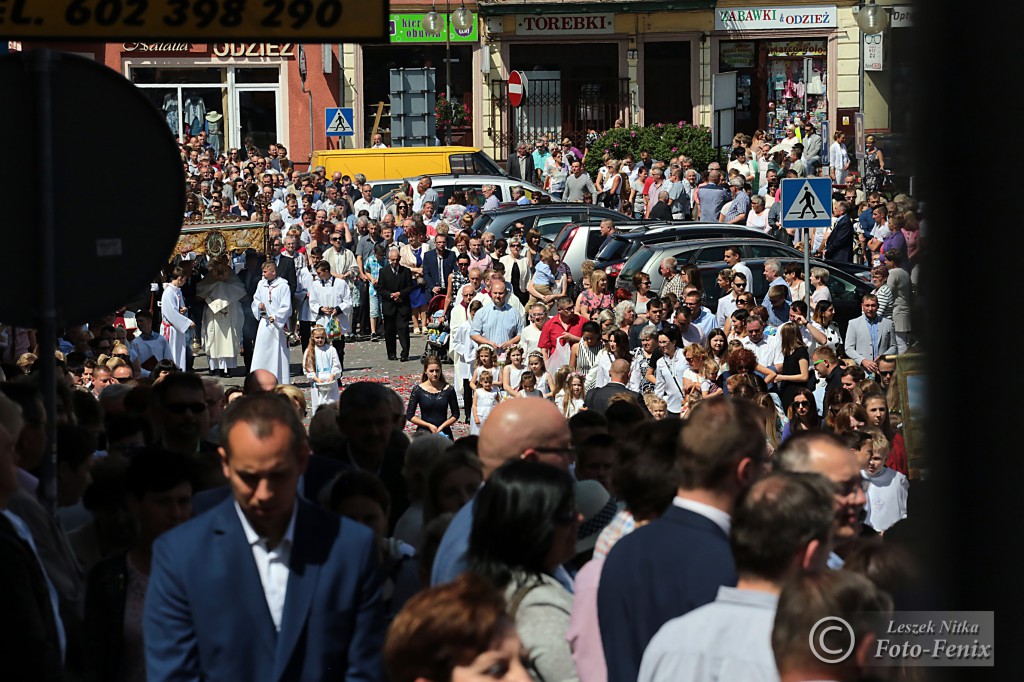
570, 399
512, 373
485, 364
536, 366
485, 397
323, 367
528, 386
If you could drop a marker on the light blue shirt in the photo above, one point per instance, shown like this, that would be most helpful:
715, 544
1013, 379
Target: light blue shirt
705, 322
873, 329
498, 324
777, 281
728, 639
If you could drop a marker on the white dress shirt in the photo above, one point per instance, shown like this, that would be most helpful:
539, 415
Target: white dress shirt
272, 564
713, 514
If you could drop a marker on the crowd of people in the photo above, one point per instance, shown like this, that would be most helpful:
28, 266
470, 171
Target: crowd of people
589, 482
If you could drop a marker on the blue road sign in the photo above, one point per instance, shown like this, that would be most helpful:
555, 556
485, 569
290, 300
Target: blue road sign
806, 202
340, 122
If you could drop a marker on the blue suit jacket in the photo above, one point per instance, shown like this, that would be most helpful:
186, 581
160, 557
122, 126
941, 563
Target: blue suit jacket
659, 572
206, 616
431, 276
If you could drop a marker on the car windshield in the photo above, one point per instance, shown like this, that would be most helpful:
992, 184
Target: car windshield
634, 265
481, 223
616, 249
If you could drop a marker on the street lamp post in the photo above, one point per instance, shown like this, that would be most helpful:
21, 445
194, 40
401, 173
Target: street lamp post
461, 19
871, 19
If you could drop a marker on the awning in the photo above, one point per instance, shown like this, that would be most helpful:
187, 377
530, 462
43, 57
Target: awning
490, 8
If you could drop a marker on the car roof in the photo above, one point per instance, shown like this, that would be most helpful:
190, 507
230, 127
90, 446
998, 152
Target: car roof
658, 231
552, 207
700, 241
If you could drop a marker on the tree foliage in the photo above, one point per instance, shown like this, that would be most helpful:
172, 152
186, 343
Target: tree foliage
663, 140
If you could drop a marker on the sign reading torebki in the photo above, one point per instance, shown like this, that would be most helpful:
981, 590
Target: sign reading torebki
565, 25
768, 18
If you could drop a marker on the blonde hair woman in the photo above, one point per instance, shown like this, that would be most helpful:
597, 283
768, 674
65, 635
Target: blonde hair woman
591, 302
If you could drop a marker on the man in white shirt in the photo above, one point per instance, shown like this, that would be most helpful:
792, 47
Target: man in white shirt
530, 338
373, 206
767, 348
378, 142
732, 259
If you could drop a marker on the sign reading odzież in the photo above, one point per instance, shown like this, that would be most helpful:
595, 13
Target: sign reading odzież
198, 20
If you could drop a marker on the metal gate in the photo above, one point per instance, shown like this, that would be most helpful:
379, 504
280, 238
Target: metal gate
558, 108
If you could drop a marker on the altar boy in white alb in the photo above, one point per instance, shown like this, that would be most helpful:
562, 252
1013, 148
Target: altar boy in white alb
272, 306
175, 320
330, 299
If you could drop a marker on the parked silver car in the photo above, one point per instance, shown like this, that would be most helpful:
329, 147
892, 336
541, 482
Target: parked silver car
470, 185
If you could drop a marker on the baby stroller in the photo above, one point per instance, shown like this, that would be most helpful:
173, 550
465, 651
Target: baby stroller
437, 329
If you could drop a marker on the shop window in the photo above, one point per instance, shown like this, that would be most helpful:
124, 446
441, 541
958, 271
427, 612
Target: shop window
258, 75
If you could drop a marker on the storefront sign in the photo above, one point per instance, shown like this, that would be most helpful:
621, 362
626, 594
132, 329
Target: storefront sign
902, 16
775, 18
408, 28
156, 47
798, 48
565, 25
874, 57
736, 55
253, 50
311, 21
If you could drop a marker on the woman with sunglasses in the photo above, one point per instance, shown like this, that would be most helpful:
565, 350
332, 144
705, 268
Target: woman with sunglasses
802, 413
402, 211
524, 529
641, 295
517, 269
823, 322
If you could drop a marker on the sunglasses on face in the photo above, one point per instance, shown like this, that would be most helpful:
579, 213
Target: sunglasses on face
181, 408
801, 404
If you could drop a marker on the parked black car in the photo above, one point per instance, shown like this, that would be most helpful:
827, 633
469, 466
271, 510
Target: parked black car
549, 218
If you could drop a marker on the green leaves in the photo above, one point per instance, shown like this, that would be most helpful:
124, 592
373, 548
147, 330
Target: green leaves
663, 140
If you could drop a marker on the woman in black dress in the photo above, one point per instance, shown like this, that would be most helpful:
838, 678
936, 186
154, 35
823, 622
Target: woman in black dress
439, 407
795, 364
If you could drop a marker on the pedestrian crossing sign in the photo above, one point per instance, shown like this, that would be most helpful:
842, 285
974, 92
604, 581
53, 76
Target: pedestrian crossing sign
807, 202
340, 122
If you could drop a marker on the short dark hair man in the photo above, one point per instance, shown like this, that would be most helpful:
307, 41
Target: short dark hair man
781, 529
677, 562
313, 568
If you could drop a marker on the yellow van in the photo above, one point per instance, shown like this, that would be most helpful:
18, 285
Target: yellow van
406, 162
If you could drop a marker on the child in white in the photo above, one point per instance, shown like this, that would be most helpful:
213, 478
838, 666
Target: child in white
543, 379
486, 363
485, 397
887, 488
323, 367
528, 387
513, 372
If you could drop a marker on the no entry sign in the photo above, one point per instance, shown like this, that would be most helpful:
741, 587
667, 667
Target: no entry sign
516, 88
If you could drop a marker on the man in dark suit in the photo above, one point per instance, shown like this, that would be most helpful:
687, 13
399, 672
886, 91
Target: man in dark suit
597, 399
839, 245
30, 647
250, 275
394, 283
676, 563
437, 265
661, 210
303, 585
520, 165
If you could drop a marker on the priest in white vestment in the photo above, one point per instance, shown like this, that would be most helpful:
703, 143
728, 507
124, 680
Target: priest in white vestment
272, 306
223, 317
330, 298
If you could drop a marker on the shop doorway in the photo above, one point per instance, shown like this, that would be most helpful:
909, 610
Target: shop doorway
571, 91
256, 114
667, 97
